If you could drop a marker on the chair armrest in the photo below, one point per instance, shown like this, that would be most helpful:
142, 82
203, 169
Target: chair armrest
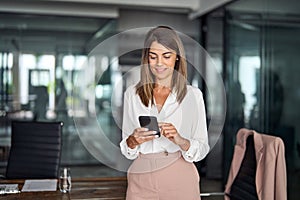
208, 194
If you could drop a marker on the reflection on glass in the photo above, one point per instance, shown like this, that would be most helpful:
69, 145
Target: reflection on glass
248, 67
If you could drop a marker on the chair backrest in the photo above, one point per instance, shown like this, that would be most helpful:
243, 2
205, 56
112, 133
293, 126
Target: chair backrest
244, 186
35, 150
269, 153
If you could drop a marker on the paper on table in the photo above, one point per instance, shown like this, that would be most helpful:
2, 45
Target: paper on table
9, 188
40, 185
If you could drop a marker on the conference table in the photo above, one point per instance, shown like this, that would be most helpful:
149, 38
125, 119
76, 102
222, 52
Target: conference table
82, 188
103, 188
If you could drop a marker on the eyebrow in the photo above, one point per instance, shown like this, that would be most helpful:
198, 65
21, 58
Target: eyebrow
168, 52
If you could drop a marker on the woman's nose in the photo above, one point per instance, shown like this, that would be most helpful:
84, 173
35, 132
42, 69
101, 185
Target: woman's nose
159, 61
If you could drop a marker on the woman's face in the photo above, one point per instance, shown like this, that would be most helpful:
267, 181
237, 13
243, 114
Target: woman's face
162, 61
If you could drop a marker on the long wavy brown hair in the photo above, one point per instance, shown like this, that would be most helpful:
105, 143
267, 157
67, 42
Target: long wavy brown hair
167, 37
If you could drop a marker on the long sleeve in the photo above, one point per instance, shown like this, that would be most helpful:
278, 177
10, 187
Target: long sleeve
127, 129
199, 147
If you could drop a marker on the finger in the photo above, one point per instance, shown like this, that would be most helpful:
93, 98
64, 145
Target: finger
140, 129
169, 136
166, 125
143, 139
147, 133
173, 133
164, 133
170, 133
150, 137
167, 128
161, 123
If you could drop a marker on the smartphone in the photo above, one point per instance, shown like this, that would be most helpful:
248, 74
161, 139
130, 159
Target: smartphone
150, 122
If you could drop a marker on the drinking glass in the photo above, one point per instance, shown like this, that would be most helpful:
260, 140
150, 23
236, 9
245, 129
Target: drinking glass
64, 180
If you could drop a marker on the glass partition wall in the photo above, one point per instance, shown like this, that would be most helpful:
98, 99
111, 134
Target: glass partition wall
262, 56
40, 59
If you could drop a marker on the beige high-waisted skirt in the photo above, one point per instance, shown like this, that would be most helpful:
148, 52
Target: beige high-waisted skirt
162, 176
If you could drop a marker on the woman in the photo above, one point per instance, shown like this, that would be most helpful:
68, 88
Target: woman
163, 166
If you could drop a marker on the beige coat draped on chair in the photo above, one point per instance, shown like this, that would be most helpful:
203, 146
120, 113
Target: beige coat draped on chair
271, 183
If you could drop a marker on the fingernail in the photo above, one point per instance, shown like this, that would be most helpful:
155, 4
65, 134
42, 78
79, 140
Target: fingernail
156, 136
154, 132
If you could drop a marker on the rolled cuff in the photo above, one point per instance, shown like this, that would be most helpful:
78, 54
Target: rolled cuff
128, 152
196, 152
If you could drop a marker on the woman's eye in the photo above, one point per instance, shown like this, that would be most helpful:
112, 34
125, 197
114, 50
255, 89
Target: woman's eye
167, 56
152, 57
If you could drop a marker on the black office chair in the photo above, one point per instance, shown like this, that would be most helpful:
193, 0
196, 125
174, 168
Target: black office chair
243, 186
35, 150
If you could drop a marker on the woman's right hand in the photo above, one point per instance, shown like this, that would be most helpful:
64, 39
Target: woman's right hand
139, 136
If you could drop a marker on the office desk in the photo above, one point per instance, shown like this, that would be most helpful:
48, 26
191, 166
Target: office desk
82, 188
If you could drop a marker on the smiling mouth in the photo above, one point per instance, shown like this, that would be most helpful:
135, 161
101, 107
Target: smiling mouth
160, 69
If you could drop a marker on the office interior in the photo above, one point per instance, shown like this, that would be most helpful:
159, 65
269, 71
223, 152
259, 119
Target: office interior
47, 73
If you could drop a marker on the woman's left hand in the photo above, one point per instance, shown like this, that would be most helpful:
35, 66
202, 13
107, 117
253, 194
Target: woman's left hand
169, 131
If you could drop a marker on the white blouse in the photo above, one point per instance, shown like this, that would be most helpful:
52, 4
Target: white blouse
188, 117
